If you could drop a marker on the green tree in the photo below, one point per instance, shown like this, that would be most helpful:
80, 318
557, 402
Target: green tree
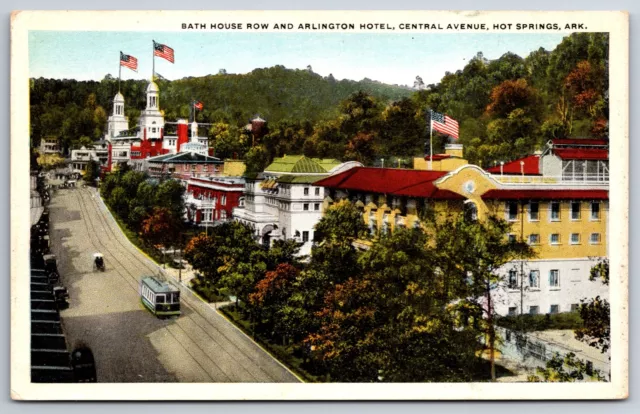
92, 172
595, 313
473, 273
170, 194
567, 369
119, 201
342, 222
256, 159
390, 323
270, 296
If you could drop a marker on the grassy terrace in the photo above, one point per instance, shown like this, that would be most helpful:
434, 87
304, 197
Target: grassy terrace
282, 353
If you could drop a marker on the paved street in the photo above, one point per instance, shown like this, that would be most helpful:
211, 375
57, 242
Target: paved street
129, 343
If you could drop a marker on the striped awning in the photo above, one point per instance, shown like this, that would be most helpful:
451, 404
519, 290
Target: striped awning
270, 184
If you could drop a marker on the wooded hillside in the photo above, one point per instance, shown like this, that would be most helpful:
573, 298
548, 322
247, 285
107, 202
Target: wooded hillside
506, 107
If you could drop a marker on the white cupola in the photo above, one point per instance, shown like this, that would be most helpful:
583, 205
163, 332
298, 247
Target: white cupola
152, 96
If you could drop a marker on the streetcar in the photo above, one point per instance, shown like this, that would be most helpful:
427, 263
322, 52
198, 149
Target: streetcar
162, 299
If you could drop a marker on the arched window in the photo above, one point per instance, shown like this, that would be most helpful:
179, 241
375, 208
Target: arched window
470, 211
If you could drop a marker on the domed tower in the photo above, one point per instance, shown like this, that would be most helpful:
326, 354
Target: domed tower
152, 96
117, 122
151, 119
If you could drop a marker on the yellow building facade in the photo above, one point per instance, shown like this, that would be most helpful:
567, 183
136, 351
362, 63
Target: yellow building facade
565, 222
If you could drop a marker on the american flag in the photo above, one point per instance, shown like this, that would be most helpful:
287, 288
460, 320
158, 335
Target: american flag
128, 61
198, 105
444, 124
162, 51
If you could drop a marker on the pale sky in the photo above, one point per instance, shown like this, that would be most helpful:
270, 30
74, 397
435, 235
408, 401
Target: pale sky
389, 58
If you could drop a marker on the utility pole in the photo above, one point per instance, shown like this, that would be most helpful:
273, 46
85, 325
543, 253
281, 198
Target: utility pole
180, 258
522, 267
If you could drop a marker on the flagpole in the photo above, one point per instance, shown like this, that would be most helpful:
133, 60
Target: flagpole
153, 60
119, 71
430, 140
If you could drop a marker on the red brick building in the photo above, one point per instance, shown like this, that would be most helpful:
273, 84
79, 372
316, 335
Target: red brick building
213, 199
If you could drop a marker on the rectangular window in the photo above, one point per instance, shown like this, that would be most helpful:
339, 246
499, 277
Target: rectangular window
534, 239
575, 210
512, 310
317, 191
223, 200
574, 307
555, 210
533, 310
512, 211
554, 309
306, 191
316, 206
595, 211
305, 236
305, 207
554, 278
512, 238
555, 238
575, 238
513, 279
534, 211
534, 279
595, 238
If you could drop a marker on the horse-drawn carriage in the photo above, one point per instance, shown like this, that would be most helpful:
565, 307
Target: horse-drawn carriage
98, 262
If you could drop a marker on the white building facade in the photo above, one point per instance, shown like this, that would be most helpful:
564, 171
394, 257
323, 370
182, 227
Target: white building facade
283, 203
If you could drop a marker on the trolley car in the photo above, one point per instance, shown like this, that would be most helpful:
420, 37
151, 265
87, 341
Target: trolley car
162, 299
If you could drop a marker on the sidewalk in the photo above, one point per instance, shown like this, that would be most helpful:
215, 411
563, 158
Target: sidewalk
185, 278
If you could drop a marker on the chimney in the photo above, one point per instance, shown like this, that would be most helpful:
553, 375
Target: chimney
454, 150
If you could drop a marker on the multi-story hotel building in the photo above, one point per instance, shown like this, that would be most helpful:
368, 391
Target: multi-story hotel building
283, 202
557, 201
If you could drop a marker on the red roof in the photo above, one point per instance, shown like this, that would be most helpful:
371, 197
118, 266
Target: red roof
578, 141
394, 181
437, 157
582, 154
531, 166
547, 194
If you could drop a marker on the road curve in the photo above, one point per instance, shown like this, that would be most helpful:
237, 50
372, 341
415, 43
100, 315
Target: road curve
129, 343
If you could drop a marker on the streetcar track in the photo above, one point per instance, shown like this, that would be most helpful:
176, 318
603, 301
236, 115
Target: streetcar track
135, 286
243, 356
246, 348
103, 224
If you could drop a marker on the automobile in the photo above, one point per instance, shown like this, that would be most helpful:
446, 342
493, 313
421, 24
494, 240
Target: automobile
51, 268
60, 295
83, 364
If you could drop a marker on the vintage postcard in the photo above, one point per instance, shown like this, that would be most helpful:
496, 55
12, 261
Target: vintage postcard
321, 205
